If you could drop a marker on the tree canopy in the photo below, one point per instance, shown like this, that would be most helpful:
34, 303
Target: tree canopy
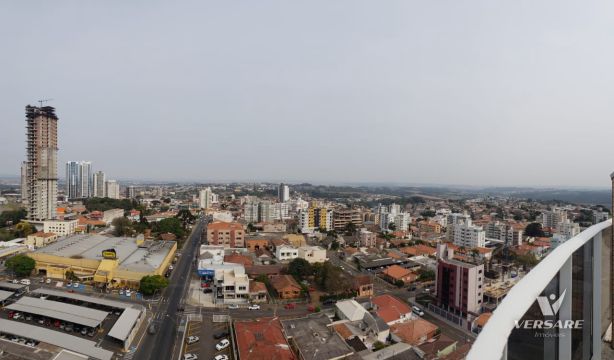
151, 283
104, 204
10, 217
534, 230
300, 269
170, 225
122, 226
21, 265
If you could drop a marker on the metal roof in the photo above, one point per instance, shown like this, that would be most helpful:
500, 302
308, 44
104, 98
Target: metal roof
5, 295
58, 310
84, 298
69, 342
124, 324
8, 285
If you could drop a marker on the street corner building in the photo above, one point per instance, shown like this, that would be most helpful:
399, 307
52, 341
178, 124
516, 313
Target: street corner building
105, 261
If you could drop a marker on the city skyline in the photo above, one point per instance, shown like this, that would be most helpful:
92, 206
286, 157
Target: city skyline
380, 87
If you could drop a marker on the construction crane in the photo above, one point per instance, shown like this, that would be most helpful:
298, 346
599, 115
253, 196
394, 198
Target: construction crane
41, 101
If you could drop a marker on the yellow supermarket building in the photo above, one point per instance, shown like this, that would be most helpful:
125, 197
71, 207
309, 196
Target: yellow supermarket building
103, 260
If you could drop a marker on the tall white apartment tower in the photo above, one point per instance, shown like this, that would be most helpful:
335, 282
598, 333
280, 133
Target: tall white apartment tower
98, 183
112, 189
283, 193
42, 162
204, 197
79, 179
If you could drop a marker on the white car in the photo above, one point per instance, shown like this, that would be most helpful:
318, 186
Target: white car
25, 282
254, 307
48, 281
221, 357
416, 310
222, 345
233, 306
75, 285
190, 357
128, 293
192, 339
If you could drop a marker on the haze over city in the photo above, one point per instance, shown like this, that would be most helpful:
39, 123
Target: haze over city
352, 91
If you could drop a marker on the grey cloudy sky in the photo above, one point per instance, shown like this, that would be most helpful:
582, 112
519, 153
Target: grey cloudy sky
447, 92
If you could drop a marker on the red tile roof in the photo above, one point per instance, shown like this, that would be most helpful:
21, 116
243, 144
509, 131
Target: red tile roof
389, 308
262, 339
221, 225
414, 332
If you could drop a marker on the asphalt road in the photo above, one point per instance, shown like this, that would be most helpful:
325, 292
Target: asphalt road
161, 345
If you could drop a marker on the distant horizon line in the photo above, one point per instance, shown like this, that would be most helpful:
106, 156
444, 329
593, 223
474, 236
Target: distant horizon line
348, 183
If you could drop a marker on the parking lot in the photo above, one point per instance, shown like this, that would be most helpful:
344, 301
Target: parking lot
205, 347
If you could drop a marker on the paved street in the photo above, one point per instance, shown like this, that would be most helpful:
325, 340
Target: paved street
162, 344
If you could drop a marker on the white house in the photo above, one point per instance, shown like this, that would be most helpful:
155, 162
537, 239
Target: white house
313, 254
286, 253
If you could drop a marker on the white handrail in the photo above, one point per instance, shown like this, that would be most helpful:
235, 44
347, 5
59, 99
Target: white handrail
492, 340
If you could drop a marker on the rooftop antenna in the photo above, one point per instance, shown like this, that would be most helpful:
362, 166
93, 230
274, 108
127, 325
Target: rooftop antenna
41, 101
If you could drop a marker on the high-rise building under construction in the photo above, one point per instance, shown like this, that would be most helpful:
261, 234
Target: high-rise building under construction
41, 168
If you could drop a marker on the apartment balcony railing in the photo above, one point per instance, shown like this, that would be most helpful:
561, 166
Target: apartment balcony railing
560, 310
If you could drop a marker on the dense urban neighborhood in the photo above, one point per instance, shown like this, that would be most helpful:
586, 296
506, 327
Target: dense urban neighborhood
259, 270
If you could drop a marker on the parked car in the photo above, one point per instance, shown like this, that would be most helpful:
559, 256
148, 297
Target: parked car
222, 345
91, 333
17, 316
416, 310
233, 306
192, 339
84, 331
15, 281
128, 293
75, 285
42, 280
48, 281
152, 329
25, 282
254, 307
207, 290
289, 306
190, 357
221, 335
221, 357
28, 317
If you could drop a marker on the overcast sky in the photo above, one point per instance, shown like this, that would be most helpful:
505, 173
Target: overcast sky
443, 92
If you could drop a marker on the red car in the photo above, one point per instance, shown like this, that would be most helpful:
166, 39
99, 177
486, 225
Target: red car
11, 313
311, 308
289, 306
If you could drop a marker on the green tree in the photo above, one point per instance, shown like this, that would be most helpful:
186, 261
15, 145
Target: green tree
21, 265
392, 227
11, 217
334, 245
122, 226
426, 275
170, 225
350, 228
23, 229
534, 230
186, 217
150, 284
300, 268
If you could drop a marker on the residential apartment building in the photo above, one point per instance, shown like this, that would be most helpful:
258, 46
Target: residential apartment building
60, 227
402, 221
469, 236
250, 212
283, 193
504, 232
41, 163
365, 238
552, 218
204, 198
228, 234
266, 211
343, 217
112, 189
456, 219
459, 284
98, 182
568, 229
79, 179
